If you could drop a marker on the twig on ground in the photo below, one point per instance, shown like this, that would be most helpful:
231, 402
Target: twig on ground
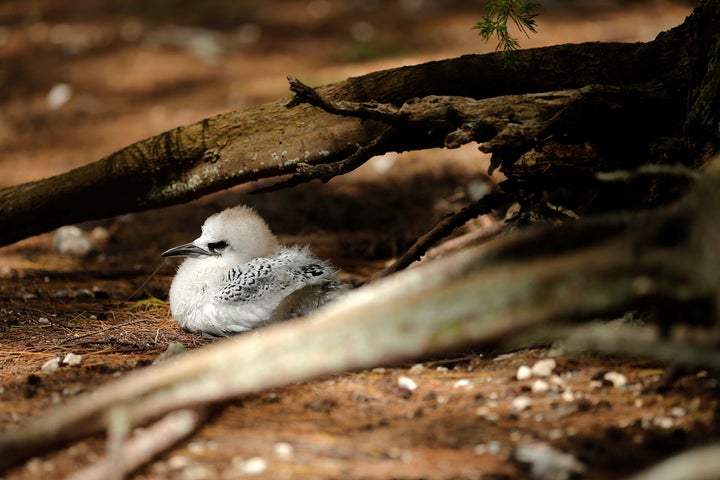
441, 230
105, 329
144, 446
474, 237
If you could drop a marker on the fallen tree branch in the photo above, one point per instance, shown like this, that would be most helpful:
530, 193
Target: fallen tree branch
269, 140
480, 295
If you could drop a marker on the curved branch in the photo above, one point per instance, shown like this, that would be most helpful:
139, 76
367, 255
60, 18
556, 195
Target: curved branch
271, 139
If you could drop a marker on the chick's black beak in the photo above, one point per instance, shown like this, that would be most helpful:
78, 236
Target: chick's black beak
187, 250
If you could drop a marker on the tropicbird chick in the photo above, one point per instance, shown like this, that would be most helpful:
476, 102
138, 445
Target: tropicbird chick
237, 277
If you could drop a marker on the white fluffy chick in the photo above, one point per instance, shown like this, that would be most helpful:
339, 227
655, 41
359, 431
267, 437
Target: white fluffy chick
237, 277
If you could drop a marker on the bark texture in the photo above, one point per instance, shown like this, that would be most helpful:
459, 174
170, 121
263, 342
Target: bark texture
628, 105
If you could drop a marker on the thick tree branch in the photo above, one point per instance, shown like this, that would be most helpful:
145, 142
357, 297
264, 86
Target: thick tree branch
268, 140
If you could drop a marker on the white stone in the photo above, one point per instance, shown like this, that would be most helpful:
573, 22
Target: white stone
254, 466
71, 240
540, 386
407, 382
462, 383
616, 378
72, 359
59, 95
520, 404
284, 450
544, 367
523, 372
51, 365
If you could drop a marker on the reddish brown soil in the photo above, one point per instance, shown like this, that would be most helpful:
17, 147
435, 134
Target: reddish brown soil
133, 76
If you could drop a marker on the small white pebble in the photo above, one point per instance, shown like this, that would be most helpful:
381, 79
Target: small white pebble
567, 395
678, 412
441, 369
254, 466
284, 450
544, 461
523, 372
407, 382
540, 386
616, 378
544, 367
663, 422
72, 359
462, 383
378, 370
595, 384
196, 472
178, 462
51, 365
72, 240
100, 236
43, 321
493, 447
520, 403
515, 435
557, 380
417, 368
196, 447
487, 414
58, 95
639, 403
479, 449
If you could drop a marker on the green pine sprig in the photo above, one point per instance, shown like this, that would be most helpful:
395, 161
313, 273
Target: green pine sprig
495, 24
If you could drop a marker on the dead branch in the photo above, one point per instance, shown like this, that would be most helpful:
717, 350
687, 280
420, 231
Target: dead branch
441, 230
269, 140
697, 464
480, 295
144, 446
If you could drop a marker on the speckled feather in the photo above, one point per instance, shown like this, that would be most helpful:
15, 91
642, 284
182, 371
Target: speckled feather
280, 273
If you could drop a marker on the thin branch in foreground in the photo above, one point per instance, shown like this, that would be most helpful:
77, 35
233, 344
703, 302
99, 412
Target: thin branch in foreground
146, 445
697, 464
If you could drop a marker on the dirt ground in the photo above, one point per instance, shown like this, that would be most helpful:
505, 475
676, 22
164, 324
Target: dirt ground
82, 79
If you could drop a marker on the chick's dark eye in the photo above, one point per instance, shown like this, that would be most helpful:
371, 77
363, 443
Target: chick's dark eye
217, 246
